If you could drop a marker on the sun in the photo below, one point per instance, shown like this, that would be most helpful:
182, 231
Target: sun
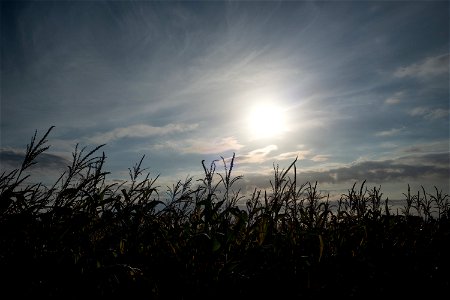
266, 120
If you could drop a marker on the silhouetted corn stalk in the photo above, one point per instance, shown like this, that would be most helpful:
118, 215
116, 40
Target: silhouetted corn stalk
83, 236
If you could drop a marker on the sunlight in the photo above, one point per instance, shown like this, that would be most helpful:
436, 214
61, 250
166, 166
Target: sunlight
266, 120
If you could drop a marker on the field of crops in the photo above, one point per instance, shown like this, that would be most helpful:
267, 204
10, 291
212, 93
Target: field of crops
83, 237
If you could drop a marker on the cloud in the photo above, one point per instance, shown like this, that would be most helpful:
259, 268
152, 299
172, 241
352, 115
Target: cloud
263, 154
392, 100
433, 147
431, 66
432, 167
210, 146
429, 113
12, 159
438, 159
140, 131
390, 132
320, 158
292, 155
405, 168
395, 99
257, 156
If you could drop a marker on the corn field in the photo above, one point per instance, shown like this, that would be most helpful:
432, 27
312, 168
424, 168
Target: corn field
85, 237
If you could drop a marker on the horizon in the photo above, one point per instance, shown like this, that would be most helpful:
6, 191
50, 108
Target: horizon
356, 91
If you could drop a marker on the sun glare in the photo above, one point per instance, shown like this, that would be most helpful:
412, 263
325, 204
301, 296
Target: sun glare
266, 120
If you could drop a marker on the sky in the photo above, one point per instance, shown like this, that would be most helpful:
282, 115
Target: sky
355, 90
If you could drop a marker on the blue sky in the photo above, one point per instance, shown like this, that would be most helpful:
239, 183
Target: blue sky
357, 90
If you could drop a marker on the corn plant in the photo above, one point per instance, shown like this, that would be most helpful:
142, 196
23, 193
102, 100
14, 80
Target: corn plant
83, 236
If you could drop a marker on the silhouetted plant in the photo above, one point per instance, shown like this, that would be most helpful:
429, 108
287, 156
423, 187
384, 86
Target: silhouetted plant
86, 237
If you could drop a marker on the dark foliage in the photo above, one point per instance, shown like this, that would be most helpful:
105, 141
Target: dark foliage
83, 237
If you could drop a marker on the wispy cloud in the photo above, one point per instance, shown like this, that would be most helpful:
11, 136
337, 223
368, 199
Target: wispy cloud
264, 154
429, 113
395, 99
12, 159
320, 158
292, 155
114, 75
205, 146
140, 131
431, 66
257, 156
390, 132
410, 167
441, 159
426, 148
